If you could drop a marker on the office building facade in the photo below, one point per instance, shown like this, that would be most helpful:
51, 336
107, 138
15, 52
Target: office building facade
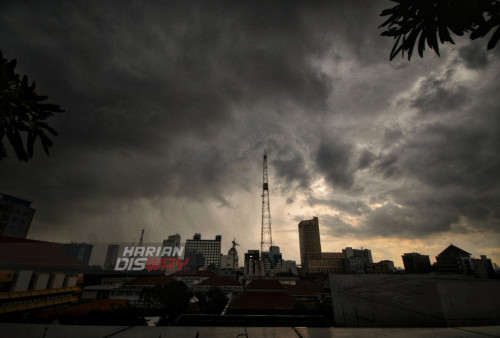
325, 262
16, 215
79, 251
111, 256
253, 265
209, 248
309, 240
416, 263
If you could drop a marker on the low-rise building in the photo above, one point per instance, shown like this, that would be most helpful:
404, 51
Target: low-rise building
326, 262
416, 263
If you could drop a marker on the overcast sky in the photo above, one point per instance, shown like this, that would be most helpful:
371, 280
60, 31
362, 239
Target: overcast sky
171, 105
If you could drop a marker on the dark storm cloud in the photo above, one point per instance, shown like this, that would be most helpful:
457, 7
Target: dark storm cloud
392, 135
451, 155
365, 159
474, 57
179, 101
388, 165
336, 226
290, 166
447, 172
138, 80
334, 161
439, 167
435, 96
352, 207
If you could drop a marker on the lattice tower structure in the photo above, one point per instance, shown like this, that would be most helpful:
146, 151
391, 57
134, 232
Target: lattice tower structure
266, 239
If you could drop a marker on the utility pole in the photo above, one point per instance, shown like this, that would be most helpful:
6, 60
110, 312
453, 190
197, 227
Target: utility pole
266, 239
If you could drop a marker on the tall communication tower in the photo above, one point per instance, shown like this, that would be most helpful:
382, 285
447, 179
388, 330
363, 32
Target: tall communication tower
266, 239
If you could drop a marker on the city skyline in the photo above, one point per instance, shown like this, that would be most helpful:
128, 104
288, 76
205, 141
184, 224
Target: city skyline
169, 109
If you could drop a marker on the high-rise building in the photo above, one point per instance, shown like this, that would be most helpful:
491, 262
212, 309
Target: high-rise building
172, 241
253, 265
272, 261
16, 215
416, 263
357, 260
209, 248
111, 256
308, 239
363, 253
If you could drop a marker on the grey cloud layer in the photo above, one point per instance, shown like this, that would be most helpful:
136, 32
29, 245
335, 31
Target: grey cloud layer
181, 99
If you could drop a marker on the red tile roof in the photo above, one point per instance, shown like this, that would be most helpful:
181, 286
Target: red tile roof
220, 281
25, 253
304, 288
265, 284
153, 280
263, 300
186, 273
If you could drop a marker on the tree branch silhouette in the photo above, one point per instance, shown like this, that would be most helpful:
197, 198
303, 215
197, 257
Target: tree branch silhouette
23, 113
413, 22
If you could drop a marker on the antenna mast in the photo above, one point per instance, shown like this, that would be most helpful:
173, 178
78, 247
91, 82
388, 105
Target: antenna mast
142, 238
266, 239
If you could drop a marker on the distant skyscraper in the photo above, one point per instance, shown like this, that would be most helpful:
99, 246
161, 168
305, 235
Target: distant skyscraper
416, 263
172, 241
272, 261
16, 215
253, 265
308, 239
209, 248
111, 256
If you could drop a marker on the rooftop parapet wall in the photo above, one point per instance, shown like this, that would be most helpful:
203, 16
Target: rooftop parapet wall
399, 300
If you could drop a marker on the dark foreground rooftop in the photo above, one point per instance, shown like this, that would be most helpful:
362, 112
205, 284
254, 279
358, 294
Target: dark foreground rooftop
74, 331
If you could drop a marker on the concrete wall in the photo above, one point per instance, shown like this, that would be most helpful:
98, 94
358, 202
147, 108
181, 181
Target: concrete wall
42, 280
22, 281
470, 302
71, 281
413, 300
57, 282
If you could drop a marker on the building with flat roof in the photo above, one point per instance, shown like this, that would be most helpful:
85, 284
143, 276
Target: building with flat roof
209, 248
79, 251
357, 260
309, 240
111, 256
253, 264
416, 263
172, 241
16, 215
325, 262
272, 261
